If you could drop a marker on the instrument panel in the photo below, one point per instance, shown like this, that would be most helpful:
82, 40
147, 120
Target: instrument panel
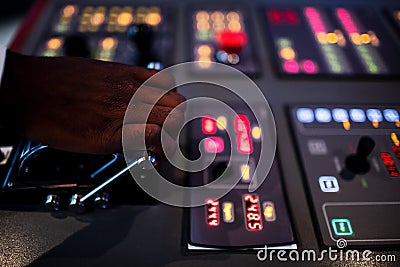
330, 72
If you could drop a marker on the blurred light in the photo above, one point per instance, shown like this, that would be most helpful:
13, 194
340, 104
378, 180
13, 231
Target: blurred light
208, 125
214, 144
365, 39
204, 50
291, 66
269, 211
374, 115
228, 212
332, 38
355, 38
287, 53
217, 15
284, 42
97, 19
153, 19
309, 66
323, 115
69, 10
305, 115
357, 115
203, 26
395, 139
391, 115
54, 43
233, 16
256, 132
124, 19
202, 15
221, 123
108, 43
346, 125
340, 115
234, 26
322, 37
245, 171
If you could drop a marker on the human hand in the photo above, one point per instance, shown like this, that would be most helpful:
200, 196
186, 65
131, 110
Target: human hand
78, 104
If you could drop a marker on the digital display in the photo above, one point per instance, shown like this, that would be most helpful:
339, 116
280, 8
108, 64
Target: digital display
389, 164
212, 212
252, 214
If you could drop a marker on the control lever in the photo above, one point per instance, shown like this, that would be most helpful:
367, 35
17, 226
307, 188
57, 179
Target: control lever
358, 163
77, 202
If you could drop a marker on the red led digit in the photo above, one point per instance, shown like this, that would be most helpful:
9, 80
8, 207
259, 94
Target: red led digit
252, 215
212, 212
208, 125
389, 164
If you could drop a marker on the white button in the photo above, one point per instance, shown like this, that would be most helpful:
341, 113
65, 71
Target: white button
357, 115
328, 184
305, 115
323, 115
374, 115
391, 115
340, 115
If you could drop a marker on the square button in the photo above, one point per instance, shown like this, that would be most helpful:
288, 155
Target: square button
328, 184
342, 227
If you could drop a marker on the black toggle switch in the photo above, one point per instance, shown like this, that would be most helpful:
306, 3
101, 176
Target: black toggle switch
358, 163
76, 45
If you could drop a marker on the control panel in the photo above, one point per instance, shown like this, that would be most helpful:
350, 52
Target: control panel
330, 72
350, 155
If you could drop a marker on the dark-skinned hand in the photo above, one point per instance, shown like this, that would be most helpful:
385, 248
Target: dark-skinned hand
78, 104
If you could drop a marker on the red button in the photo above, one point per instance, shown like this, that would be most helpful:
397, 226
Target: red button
231, 42
208, 125
214, 144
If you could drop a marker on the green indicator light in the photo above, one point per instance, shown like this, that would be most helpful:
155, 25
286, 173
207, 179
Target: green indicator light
49, 53
342, 227
364, 183
284, 42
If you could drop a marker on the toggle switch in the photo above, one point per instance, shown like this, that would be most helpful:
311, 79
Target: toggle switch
358, 163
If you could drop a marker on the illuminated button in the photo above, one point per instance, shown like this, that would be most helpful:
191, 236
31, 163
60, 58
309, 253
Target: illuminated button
231, 42
374, 115
108, 43
244, 143
212, 212
153, 19
328, 184
204, 50
323, 115
124, 19
309, 66
340, 115
228, 210
269, 211
357, 115
317, 147
202, 15
391, 115
245, 171
241, 123
287, 53
342, 227
214, 144
208, 125
291, 66
221, 123
305, 115
69, 10
54, 43
331, 38
256, 132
